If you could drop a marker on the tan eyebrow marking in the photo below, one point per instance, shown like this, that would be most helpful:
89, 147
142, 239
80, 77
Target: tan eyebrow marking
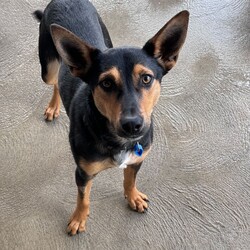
139, 70
113, 73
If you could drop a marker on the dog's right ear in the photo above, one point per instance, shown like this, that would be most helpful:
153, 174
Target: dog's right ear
75, 53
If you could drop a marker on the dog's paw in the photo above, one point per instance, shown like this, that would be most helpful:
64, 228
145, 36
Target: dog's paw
137, 200
77, 223
52, 111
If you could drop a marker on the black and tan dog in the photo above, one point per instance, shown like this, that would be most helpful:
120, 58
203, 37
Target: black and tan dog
108, 93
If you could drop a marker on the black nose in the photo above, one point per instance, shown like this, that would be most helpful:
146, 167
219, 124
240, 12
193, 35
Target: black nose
132, 125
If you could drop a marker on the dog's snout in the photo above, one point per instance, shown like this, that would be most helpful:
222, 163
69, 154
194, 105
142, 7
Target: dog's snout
132, 125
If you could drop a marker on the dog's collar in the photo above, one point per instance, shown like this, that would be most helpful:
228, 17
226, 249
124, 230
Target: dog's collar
128, 157
138, 149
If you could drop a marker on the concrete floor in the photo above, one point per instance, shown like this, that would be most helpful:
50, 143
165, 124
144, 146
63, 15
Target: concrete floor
198, 173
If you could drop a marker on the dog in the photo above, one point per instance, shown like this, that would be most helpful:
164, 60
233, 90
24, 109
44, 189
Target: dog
108, 93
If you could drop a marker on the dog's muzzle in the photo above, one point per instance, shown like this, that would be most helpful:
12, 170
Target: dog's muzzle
131, 126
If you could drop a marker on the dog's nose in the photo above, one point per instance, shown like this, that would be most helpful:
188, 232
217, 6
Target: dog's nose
132, 125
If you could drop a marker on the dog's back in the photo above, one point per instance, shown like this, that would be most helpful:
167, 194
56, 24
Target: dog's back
78, 16
82, 19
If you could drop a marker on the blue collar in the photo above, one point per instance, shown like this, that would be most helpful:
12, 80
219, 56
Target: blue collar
138, 149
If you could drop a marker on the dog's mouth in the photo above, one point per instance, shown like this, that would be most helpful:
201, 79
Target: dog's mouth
131, 137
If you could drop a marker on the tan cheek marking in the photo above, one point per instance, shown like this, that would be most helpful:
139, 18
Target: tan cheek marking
108, 105
93, 168
149, 96
149, 99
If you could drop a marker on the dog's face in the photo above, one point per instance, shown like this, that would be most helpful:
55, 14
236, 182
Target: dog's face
125, 82
126, 88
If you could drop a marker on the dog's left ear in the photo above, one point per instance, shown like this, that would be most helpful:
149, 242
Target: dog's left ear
166, 44
75, 53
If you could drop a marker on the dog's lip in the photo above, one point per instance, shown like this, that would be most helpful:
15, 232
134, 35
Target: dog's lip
133, 137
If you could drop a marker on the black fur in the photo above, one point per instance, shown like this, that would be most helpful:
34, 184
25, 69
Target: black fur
38, 14
92, 136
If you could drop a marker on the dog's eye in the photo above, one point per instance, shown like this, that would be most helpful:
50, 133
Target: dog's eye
107, 83
146, 79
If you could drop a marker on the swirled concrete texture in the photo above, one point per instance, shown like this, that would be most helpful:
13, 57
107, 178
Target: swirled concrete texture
198, 173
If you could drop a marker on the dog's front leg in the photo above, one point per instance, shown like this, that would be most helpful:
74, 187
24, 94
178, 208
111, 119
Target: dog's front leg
79, 217
137, 200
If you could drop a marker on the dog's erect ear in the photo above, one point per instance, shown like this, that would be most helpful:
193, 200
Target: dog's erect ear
166, 44
75, 53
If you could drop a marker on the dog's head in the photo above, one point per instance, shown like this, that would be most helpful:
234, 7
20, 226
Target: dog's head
125, 81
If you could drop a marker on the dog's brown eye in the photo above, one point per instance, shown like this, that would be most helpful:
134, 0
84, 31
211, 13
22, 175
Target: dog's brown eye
106, 84
146, 79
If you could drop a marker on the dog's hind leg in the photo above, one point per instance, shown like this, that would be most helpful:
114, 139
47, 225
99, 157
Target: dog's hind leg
50, 76
53, 109
50, 65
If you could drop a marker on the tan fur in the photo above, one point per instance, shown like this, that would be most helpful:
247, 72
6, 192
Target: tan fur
149, 96
139, 70
107, 103
53, 109
52, 73
93, 168
79, 217
149, 99
136, 199
141, 158
113, 73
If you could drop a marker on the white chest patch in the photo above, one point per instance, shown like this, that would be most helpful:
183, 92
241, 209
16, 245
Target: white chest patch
125, 158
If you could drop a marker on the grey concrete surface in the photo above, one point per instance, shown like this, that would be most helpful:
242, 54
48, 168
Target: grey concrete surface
198, 173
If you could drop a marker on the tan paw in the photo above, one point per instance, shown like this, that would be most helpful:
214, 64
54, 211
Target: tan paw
77, 223
137, 200
51, 112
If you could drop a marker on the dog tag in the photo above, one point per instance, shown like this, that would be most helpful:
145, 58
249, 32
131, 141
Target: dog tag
138, 149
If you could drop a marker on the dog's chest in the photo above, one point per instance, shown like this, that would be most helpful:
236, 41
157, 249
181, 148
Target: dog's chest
125, 158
